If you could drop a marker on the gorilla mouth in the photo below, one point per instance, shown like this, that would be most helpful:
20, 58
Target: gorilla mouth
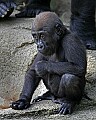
46, 52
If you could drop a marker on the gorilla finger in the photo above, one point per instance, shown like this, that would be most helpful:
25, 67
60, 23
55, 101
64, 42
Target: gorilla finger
3, 6
10, 5
14, 105
0, 14
67, 110
39, 98
27, 105
70, 110
31, 13
13, 5
3, 12
63, 111
38, 11
21, 106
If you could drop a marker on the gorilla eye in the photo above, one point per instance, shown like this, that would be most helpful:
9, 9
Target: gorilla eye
42, 36
35, 36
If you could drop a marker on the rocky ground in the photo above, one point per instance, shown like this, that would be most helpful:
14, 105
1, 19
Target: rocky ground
17, 50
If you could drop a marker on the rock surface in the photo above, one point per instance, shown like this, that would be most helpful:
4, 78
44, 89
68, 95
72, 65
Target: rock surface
16, 53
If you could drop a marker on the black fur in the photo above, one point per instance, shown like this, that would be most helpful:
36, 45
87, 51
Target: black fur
34, 7
83, 21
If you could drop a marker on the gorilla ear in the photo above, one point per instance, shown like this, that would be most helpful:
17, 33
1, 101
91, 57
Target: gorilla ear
59, 30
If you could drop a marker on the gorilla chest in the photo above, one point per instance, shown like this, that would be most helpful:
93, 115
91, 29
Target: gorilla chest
57, 58
52, 80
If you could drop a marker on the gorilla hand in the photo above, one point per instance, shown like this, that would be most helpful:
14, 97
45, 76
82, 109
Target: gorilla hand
41, 68
20, 104
6, 8
34, 7
29, 12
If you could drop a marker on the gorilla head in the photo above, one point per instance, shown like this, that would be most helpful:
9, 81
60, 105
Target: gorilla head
47, 31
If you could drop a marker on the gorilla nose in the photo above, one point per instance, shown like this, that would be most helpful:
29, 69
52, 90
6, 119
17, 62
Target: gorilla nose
40, 46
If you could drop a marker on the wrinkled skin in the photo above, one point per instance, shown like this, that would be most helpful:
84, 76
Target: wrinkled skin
60, 63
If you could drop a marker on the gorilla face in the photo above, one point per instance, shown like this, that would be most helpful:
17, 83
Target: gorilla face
47, 31
45, 43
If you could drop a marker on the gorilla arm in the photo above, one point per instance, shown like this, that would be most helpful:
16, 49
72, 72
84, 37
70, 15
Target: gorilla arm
30, 84
60, 68
6, 7
34, 7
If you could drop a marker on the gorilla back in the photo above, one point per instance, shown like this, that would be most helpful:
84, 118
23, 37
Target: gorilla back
60, 63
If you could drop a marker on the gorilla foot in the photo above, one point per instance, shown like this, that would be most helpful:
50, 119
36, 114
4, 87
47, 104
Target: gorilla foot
66, 108
45, 96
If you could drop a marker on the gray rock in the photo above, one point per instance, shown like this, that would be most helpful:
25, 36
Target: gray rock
17, 50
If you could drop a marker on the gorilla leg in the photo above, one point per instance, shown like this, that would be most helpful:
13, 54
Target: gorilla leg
69, 94
83, 21
34, 7
71, 87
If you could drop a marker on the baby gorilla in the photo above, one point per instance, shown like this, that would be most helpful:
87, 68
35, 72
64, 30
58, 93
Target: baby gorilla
60, 63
